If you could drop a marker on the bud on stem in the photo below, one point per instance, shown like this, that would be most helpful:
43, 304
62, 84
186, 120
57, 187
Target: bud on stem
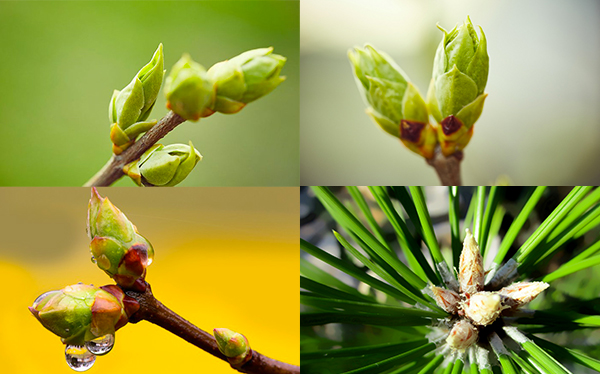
116, 246
163, 166
233, 345
129, 108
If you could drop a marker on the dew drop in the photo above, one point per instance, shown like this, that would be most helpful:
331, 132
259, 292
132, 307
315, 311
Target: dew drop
79, 358
42, 296
101, 345
93, 259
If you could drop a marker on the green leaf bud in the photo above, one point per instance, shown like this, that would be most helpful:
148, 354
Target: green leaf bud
456, 93
188, 89
395, 104
245, 78
132, 105
116, 246
164, 165
80, 313
233, 345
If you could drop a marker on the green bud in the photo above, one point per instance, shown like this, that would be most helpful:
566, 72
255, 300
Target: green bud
233, 345
80, 313
395, 104
116, 246
245, 78
164, 166
188, 89
130, 107
460, 73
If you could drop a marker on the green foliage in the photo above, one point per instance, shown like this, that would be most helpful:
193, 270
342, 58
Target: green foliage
364, 313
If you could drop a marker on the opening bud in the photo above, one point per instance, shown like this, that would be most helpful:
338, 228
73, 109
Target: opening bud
116, 246
130, 107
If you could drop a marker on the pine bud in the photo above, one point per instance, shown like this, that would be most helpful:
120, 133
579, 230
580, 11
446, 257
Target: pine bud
484, 307
462, 336
470, 274
446, 299
522, 293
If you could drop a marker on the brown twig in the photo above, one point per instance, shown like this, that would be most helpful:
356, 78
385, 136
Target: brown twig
113, 169
447, 168
155, 312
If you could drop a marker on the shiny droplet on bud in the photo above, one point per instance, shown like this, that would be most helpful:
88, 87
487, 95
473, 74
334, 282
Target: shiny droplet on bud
101, 345
93, 259
79, 358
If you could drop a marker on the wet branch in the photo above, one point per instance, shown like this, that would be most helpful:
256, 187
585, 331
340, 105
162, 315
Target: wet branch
447, 168
155, 312
113, 170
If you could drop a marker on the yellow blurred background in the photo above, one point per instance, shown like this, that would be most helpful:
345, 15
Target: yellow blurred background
225, 257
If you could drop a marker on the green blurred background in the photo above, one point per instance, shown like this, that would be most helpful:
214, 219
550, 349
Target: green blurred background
62, 60
541, 121
224, 257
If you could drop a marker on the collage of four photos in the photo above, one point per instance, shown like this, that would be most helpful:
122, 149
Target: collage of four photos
436, 160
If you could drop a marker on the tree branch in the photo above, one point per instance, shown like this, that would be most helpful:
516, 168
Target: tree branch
113, 170
447, 168
155, 312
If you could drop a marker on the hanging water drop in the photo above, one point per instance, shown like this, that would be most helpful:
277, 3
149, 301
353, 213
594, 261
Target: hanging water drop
93, 259
79, 358
101, 345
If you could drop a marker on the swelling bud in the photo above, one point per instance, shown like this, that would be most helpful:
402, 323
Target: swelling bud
233, 345
116, 246
395, 104
245, 78
164, 166
456, 93
188, 89
130, 107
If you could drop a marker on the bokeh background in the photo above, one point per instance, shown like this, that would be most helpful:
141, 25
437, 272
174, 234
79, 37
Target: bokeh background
200, 235
62, 60
541, 121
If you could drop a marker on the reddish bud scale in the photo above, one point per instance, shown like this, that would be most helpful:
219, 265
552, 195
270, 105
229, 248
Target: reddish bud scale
411, 130
450, 125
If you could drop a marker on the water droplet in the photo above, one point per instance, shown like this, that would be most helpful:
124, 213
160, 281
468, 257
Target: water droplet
79, 358
101, 345
42, 296
93, 259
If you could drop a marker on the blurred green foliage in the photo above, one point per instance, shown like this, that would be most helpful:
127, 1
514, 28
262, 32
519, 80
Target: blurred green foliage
61, 61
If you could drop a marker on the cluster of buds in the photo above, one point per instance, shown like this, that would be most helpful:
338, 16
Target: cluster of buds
130, 108
163, 166
192, 92
86, 317
475, 307
455, 97
80, 313
234, 346
116, 246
